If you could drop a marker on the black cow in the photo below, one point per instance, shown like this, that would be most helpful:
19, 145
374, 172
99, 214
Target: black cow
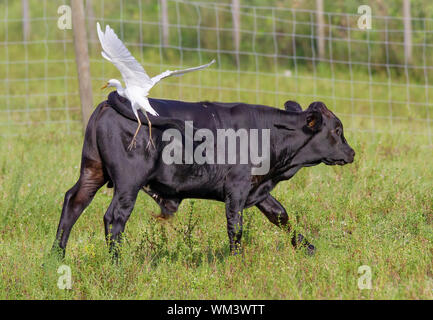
297, 139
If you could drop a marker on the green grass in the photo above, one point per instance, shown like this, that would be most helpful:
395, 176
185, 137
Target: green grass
375, 212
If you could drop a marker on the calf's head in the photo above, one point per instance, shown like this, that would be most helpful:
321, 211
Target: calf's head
325, 141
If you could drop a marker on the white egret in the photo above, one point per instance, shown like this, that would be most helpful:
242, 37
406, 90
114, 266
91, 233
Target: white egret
138, 83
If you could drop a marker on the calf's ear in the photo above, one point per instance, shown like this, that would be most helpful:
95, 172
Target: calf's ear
292, 106
314, 121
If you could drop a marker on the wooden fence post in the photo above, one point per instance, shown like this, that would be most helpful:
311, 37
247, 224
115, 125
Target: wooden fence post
236, 28
164, 23
82, 60
320, 27
407, 32
25, 9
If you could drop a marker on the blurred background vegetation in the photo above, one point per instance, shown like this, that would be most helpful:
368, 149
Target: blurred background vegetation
272, 16
364, 75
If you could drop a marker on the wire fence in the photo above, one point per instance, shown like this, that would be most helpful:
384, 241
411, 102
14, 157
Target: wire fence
265, 55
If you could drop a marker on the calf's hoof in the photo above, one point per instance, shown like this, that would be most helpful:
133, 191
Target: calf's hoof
236, 250
311, 250
300, 241
56, 252
161, 217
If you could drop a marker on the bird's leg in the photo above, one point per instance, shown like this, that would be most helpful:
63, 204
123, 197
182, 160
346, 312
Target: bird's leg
134, 140
150, 132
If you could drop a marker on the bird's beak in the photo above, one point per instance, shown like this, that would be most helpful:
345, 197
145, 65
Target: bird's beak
104, 86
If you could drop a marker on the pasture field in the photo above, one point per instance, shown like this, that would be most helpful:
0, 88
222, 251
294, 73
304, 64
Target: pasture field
377, 212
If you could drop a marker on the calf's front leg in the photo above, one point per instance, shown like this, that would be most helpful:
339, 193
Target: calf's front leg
236, 195
275, 212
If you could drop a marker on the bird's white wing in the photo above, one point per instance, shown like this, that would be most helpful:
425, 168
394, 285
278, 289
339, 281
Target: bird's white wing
169, 73
115, 51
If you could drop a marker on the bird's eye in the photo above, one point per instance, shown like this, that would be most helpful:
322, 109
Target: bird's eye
338, 131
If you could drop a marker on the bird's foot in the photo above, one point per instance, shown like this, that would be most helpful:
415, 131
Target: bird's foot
149, 143
133, 144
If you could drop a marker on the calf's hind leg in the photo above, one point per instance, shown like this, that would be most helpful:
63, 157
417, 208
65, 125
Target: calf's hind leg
168, 206
276, 214
118, 214
77, 199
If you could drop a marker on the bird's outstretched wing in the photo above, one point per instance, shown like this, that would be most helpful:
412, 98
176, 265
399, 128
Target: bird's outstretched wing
169, 73
115, 51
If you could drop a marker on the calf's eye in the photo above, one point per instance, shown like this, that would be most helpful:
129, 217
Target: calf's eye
338, 131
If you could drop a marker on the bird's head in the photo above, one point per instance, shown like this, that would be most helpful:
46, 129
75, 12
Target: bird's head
112, 83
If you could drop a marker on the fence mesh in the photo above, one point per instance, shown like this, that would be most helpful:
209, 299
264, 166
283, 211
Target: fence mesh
362, 75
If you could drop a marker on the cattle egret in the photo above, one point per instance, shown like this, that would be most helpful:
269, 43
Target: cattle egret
138, 83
